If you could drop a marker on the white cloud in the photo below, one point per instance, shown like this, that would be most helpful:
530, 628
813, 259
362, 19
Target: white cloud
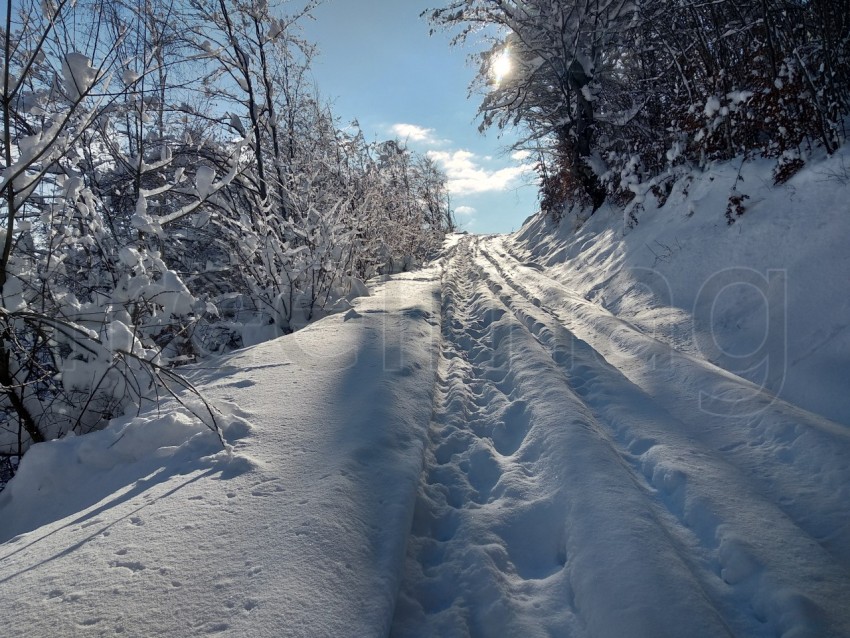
520, 156
414, 133
467, 176
465, 211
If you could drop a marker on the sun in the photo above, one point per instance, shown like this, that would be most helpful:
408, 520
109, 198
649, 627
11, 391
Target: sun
501, 66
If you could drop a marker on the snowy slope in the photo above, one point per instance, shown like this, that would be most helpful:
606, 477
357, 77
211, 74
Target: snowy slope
147, 529
767, 298
523, 439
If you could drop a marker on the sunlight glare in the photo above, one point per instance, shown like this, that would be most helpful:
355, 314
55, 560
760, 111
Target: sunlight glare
501, 66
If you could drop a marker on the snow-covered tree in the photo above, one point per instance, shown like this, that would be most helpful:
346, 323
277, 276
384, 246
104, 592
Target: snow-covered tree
169, 176
616, 93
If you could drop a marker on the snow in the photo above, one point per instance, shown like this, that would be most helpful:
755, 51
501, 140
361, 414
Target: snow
129, 76
73, 473
739, 97
78, 75
204, 177
688, 279
594, 431
277, 27
130, 257
712, 106
150, 528
119, 336
575, 487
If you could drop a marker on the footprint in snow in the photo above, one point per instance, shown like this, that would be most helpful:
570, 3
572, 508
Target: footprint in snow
509, 435
133, 566
90, 622
267, 488
483, 473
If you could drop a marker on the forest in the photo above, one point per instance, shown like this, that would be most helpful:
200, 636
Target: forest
619, 99
173, 182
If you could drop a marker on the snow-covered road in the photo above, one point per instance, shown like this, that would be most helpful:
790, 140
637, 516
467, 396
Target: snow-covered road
474, 450
584, 479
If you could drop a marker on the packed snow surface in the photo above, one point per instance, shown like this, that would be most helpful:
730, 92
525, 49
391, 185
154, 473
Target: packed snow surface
149, 528
519, 440
585, 479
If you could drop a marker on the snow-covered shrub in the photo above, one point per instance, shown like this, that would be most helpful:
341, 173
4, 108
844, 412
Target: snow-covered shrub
170, 182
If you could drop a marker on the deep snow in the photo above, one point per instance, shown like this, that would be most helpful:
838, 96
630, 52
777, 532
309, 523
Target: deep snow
767, 298
148, 529
578, 483
561, 433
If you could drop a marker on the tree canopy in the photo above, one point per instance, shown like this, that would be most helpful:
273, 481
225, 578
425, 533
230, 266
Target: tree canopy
613, 93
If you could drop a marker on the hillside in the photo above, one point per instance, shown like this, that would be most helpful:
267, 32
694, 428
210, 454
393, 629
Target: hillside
766, 297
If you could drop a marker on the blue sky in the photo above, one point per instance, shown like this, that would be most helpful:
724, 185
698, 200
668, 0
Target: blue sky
378, 64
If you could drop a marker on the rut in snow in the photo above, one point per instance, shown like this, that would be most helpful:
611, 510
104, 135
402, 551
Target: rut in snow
554, 482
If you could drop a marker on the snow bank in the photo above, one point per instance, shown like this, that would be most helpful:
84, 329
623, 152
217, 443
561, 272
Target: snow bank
147, 528
767, 298
62, 477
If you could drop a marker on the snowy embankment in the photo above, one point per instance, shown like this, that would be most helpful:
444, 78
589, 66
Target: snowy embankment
767, 298
148, 528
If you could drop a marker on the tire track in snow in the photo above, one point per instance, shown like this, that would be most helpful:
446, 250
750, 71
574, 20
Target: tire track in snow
767, 563
788, 454
528, 520
454, 587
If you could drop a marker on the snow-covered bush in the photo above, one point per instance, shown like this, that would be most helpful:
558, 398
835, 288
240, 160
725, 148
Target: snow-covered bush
170, 182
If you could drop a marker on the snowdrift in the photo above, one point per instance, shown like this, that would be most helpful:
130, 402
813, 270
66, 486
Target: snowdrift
298, 528
767, 297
